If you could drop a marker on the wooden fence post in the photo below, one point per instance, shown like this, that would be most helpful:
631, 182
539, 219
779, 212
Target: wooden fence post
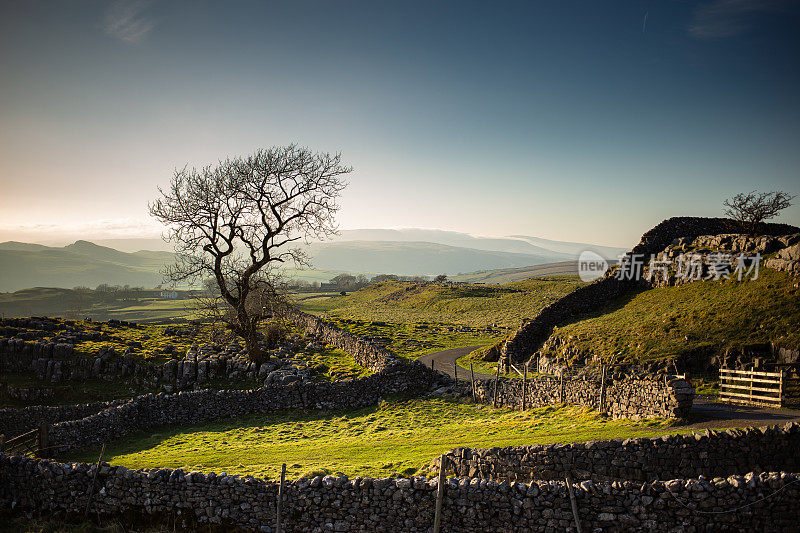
603, 389
455, 370
44, 428
524, 384
472, 379
432, 364
279, 506
94, 479
437, 517
496, 381
780, 390
574, 504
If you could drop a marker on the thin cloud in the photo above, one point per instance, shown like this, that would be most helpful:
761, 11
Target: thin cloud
125, 20
722, 19
102, 228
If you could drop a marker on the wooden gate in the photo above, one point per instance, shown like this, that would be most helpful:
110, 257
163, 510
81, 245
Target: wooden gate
769, 389
33, 443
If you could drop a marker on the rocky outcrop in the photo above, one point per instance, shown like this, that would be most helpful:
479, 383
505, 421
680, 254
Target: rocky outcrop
786, 260
729, 256
522, 344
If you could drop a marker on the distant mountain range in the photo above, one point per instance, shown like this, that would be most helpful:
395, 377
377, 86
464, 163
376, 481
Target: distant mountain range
26, 265
369, 251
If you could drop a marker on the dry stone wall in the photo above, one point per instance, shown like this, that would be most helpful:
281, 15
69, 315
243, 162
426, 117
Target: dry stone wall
656, 396
530, 336
152, 410
709, 454
366, 354
755, 502
14, 421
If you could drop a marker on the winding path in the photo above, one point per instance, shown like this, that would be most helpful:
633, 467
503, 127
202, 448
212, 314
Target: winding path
706, 413
444, 361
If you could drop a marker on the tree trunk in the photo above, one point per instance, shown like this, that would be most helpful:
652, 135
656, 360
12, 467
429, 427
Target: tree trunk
254, 351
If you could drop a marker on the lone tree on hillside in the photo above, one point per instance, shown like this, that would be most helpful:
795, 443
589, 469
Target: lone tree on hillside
751, 209
236, 221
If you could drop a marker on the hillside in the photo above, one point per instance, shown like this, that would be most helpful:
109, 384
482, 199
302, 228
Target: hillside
418, 258
667, 322
370, 252
472, 305
521, 244
97, 305
508, 275
80, 263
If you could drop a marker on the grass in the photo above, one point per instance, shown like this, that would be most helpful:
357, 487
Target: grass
399, 437
471, 305
411, 341
151, 337
663, 323
93, 304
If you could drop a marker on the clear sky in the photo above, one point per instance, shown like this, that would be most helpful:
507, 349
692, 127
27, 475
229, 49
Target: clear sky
586, 121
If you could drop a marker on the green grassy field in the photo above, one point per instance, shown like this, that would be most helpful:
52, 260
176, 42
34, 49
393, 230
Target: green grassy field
92, 304
411, 341
471, 305
400, 437
665, 322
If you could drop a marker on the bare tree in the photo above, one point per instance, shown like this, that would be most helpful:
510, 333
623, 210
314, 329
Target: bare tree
235, 222
751, 209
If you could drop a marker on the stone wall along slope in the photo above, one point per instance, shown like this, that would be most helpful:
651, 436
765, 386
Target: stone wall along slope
765, 502
711, 453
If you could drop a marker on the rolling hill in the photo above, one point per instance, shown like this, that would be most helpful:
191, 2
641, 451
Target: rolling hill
417, 257
368, 251
81, 263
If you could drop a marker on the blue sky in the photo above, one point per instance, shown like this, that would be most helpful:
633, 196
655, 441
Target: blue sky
585, 121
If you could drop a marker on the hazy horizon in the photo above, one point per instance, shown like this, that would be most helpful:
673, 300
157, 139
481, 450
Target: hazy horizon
571, 121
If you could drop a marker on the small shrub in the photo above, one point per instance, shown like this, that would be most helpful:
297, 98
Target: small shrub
274, 334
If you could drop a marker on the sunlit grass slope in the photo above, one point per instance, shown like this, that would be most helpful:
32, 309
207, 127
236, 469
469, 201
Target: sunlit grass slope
472, 305
398, 437
665, 322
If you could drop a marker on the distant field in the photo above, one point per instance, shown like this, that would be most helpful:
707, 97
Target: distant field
400, 437
474, 305
92, 304
508, 275
665, 322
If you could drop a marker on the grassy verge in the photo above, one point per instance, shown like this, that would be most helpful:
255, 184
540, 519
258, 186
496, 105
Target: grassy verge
665, 322
398, 437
